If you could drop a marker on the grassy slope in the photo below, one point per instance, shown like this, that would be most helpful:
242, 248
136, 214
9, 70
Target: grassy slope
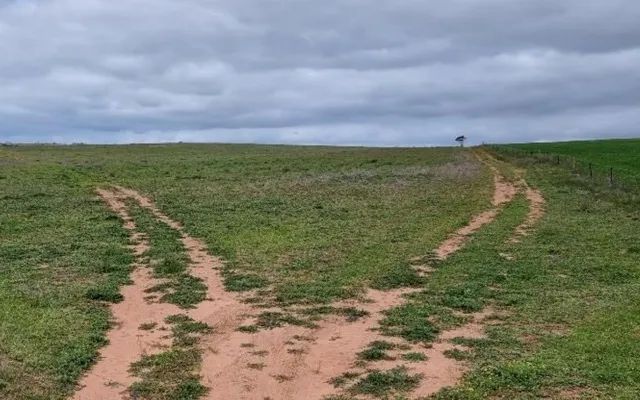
622, 154
314, 223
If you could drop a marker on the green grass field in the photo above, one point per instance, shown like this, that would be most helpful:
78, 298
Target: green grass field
311, 225
621, 154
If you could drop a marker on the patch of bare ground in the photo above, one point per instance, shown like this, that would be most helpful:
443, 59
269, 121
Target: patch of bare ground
297, 362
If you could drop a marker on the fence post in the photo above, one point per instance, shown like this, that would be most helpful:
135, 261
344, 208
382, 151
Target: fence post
558, 159
590, 171
610, 176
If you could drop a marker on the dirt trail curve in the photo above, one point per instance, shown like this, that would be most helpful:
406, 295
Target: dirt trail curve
289, 362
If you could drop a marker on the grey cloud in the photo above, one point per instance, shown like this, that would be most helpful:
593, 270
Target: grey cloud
390, 72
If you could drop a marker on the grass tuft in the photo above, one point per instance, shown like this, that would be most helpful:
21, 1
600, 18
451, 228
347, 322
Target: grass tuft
382, 383
414, 357
377, 351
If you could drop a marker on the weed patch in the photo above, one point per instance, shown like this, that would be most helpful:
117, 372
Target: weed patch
173, 374
381, 383
377, 351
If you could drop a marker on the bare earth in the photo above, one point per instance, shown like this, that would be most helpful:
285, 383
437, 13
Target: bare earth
289, 362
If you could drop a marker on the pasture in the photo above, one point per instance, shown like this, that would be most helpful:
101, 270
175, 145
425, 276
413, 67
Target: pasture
291, 272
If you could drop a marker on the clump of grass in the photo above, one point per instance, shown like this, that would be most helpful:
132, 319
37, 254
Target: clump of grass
172, 374
466, 297
457, 354
377, 351
169, 262
400, 276
342, 380
105, 292
282, 378
167, 376
274, 319
302, 338
382, 383
410, 321
248, 328
470, 342
185, 330
352, 314
183, 290
414, 357
147, 326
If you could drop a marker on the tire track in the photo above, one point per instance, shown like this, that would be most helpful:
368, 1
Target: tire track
536, 212
110, 378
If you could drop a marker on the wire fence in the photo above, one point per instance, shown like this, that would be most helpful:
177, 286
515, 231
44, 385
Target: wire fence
598, 173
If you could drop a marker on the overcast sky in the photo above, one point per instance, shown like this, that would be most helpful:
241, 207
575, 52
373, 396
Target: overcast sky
373, 72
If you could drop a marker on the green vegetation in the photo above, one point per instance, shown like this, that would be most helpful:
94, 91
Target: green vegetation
343, 379
62, 255
414, 357
377, 351
382, 383
572, 291
308, 225
351, 313
316, 224
457, 354
168, 376
169, 261
274, 319
621, 154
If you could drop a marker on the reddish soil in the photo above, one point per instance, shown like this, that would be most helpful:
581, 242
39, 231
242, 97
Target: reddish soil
289, 362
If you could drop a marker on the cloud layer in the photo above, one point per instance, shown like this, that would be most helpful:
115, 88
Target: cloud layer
389, 72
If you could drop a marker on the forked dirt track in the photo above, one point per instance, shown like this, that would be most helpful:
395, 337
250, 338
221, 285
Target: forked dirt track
289, 362
536, 211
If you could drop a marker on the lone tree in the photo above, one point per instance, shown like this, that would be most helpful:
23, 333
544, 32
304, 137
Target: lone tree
461, 139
